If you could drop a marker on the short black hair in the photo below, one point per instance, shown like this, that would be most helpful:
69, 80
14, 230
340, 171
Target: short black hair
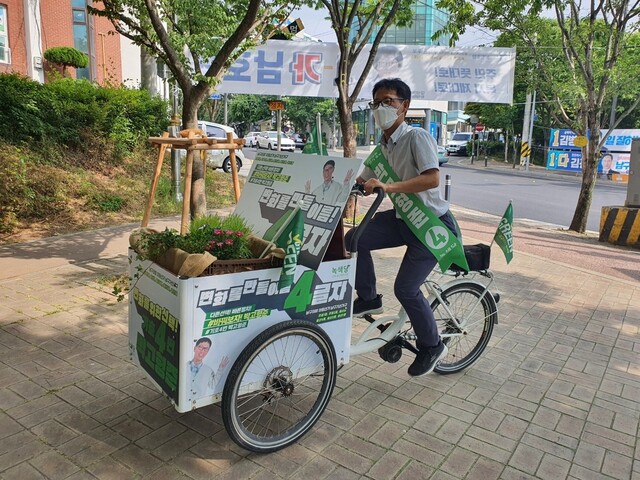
329, 162
203, 340
401, 88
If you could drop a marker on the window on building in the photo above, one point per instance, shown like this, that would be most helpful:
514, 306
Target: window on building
80, 33
5, 51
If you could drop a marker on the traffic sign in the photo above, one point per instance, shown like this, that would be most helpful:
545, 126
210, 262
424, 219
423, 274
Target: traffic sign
215, 96
479, 127
276, 105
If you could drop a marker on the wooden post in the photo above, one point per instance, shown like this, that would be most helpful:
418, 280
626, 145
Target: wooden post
186, 202
234, 167
154, 182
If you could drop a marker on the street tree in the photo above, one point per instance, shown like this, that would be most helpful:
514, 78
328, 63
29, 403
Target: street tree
302, 112
356, 24
587, 64
198, 42
248, 109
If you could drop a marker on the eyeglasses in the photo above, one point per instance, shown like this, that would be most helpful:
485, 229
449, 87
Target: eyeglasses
387, 102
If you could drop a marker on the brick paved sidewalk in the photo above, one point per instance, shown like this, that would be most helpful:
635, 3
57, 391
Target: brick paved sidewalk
555, 395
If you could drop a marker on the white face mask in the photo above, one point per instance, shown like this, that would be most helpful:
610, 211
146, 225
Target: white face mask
385, 116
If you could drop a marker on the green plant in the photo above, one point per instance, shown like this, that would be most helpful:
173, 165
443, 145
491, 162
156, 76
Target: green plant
226, 238
108, 202
66, 57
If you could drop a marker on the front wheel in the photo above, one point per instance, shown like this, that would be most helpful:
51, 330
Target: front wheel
226, 165
476, 313
279, 386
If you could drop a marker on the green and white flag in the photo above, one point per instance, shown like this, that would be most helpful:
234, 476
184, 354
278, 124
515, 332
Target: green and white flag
314, 144
504, 233
425, 224
290, 239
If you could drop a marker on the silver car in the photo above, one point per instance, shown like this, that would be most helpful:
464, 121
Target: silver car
220, 158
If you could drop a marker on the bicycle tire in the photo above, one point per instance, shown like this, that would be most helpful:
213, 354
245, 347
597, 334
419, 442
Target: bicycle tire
294, 364
465, 349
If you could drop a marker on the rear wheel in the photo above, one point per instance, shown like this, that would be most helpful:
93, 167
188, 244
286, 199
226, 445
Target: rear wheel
226, 165
476, 313
279, 386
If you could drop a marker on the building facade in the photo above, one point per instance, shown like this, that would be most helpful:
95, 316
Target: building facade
430, 115
29, 27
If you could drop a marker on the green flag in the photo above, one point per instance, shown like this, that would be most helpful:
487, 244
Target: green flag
290, 239
314, 144
504, 233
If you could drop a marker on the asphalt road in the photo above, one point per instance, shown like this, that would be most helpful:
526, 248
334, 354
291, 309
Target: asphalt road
537, 195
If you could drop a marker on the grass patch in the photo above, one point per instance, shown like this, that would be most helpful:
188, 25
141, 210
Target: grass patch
40, 198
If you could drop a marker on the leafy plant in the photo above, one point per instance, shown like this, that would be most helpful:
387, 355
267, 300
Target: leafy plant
66, 57
226, 238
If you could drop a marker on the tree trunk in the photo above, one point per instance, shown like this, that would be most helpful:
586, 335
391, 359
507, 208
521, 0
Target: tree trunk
589, 173
506, 146
349, 149
198, 206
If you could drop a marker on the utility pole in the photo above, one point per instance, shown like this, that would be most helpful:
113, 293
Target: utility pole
226, 121
525, 148
533, 118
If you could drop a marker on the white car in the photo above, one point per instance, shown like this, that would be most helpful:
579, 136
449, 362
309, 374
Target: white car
220, 158
270, 140
251, 139
458, 143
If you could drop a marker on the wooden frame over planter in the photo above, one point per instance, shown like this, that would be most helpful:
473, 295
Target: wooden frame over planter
191, 140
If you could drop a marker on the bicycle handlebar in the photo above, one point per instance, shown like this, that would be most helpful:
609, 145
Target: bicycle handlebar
353, 247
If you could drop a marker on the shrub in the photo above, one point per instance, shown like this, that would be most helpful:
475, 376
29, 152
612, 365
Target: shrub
66, 112
66, 57
22, 114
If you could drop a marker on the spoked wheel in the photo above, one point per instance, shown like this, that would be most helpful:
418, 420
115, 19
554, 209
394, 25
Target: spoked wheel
476, 313
279, 386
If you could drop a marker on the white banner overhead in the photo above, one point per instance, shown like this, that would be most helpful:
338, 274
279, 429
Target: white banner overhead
282, 67
470, 74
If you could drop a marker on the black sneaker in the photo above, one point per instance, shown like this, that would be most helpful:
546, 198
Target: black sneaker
362, 307
427, 359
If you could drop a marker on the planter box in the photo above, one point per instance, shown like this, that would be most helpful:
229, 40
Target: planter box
169, 314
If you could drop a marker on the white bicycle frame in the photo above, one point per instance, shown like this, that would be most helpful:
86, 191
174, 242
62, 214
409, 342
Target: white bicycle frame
368, 341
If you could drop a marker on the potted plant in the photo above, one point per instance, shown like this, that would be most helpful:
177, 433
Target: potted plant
214, 245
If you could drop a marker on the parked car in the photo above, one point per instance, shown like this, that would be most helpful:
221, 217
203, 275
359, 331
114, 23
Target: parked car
270, 140
442, 155
251, 139
298, 139
220, 158
458, 143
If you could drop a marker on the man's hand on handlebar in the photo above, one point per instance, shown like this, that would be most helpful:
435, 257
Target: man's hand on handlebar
372, 184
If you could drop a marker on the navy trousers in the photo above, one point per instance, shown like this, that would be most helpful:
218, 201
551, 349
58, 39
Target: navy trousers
387, 231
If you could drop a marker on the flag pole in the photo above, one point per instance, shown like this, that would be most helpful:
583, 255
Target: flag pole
319, 133
281, 229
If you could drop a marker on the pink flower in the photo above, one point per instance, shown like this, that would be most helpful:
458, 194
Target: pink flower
239, 234
217, 231
228, 241
228, 232
220, 244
